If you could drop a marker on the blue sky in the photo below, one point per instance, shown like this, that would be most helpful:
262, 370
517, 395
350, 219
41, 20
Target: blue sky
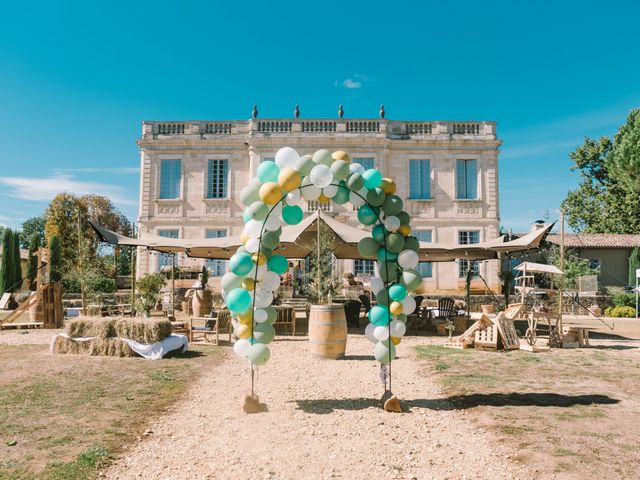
77, 79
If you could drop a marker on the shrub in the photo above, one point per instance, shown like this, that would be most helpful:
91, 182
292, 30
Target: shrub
620, 312
623, 299
100, 284
71, 285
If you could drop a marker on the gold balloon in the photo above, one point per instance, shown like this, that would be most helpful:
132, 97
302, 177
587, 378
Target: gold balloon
270, 193
323, 199
396, 340
244, 237
395, 308
248, 284
259, 258
340, 155
388, 186
289, 179
243, 331
245, 318
404, 230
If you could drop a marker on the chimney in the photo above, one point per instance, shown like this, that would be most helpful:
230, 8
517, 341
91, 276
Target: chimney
538, 225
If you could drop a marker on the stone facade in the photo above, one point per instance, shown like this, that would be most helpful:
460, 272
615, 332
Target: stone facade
391, 145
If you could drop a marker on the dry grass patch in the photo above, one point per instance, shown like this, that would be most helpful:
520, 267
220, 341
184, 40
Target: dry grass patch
69, 414
557, 409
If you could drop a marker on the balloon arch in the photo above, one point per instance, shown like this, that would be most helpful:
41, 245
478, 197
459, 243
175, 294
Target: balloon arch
272, 200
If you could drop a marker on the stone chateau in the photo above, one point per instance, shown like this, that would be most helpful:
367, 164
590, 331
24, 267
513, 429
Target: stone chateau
192, 173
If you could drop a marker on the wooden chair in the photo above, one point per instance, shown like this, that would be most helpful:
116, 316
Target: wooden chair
208, 327
413, 318
352, 312
366, 303
286, 317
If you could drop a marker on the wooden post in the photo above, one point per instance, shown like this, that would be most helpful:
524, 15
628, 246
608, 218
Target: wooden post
561, 293
81, 267
173, 284
134, 251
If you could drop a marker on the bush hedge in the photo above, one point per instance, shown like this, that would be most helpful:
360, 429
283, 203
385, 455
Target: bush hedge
620, 312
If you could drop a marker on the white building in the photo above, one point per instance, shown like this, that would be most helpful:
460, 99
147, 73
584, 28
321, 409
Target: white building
192, 173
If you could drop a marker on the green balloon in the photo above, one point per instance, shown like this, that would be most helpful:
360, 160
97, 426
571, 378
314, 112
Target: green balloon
342, 196
355, 182
412, 243
292, 214
392, 205
368, 247
268, 171
278, 264
304, 164
386, 256
402, 317
246, 216
270, 239
272, 314
382, 297
376, 197
264, 333
397, 292
366, 215
249, 194
379, 234
340, 169
372, 178
266, 251
258, 211
404, 217
388, 271
240, 263
410, 279
384, 351
395, 242
238, 300
259, 354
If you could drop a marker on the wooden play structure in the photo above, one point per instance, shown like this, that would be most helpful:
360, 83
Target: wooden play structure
491, 333
44, 305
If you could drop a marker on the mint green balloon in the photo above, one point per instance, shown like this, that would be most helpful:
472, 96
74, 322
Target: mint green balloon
304, 165
278, 264
393, 205
355, 182
386, 256
372, 178
259, 354
410, 279
379, 234
238, 300
342, 196
323, 157
412, 243
272, 314
395, 242
368, 247
264, 333
258, 210
249, 194
292, 214
270, 239
268, 171
240, 263
384, 351
366, 215
246, 216
375, 197
379, 315
397, 292
340, 169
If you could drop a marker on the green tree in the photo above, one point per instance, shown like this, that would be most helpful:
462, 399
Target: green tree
31, 226
573, 267
55, 257
17, 261
32, 268
600, 204
7, 266
624, 161
634, 264
322, 265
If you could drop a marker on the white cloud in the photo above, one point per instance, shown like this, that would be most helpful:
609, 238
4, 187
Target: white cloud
116, 171
44, 189
348, 83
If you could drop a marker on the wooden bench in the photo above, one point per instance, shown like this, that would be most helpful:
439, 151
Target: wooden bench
21, 326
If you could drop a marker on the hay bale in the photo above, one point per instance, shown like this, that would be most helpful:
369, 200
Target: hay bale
108, 347
101, 327
64, 345
142, 330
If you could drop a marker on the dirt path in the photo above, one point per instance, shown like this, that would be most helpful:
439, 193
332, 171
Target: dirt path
324, 421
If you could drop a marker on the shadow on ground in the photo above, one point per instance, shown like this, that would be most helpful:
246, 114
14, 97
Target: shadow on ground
459, 402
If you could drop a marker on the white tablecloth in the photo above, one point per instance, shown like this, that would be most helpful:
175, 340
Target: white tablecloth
152, 351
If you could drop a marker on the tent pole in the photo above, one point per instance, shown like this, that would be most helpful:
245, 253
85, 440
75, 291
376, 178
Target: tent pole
173, 284
133, 270
81, 267
561, 293
318, 258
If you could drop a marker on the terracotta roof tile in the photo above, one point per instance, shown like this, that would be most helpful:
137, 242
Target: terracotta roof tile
597, 240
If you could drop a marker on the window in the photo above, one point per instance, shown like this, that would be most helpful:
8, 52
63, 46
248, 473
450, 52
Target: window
363, 267
264, 159
420, 179
424, 268
468, 237
217, 267
466, 179
366, 162
164, 259
170, 177
465, 265
217, 179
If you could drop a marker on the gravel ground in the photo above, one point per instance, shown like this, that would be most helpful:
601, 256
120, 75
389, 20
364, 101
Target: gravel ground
27, 337
324, 421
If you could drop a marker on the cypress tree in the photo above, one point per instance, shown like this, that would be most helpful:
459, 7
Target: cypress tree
17, 262
56, 259
34, 245
6, 267
634, 264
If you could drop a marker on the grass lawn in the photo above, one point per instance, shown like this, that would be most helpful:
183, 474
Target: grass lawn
574, 413
63, 416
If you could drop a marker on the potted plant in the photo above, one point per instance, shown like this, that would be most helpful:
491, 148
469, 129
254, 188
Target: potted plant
201, 303
147, 292
449, 327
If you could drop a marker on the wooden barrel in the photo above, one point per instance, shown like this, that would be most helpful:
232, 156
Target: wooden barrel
327, 331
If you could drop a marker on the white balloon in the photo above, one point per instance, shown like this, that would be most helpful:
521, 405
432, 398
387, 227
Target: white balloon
408, 259
381, 333
263, 298
277, 209
286, 157
330, 191
356, 200
368, 331
408, 305
262, 269
376, 284
321, 176
271, 281
253, 228
252, 245
260, 315
293, 198
356, 168
273, 222
309, 191
241, 347
229, 281
392, 223
398, 328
